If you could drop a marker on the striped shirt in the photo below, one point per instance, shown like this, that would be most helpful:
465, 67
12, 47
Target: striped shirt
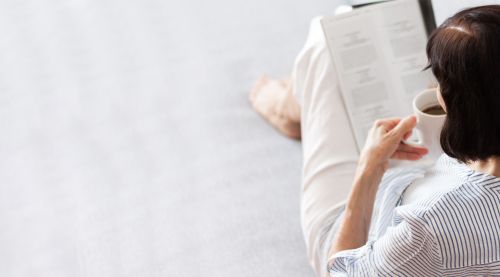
452, 232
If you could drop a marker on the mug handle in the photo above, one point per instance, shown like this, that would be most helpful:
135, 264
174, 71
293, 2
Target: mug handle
414, 139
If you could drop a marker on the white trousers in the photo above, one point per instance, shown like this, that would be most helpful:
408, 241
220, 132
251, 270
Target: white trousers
330, 153
329, 150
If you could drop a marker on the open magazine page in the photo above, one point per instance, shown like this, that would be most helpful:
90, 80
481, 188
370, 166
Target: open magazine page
405, 41
379, 54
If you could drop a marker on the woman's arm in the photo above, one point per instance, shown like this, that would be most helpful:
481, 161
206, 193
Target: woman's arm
383, 143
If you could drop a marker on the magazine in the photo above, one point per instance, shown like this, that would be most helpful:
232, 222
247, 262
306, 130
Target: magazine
379, 56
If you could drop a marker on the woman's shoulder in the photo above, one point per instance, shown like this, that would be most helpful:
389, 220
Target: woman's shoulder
464, 220
439, 177
452, 194
450, 187
455, 186
470, 185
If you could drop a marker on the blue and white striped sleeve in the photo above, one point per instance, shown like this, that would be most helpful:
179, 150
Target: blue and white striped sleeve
406, 249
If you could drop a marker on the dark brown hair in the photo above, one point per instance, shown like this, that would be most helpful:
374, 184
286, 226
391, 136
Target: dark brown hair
464, 55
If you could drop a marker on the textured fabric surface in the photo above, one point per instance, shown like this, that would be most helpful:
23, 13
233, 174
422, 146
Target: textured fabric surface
128, 146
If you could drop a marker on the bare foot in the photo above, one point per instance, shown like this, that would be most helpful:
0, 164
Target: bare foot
273, 100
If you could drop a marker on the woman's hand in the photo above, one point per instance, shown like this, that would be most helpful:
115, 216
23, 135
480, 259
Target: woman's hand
385, 141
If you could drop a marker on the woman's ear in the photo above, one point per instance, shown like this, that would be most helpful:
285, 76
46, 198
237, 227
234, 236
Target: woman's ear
440, 98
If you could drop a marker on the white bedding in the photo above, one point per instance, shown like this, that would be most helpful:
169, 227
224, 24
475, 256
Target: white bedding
128, 147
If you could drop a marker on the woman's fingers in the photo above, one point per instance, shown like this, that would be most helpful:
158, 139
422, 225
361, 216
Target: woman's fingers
405, 126
407, 135
388, 123
412, 148
385, 138
409, 152
401, 155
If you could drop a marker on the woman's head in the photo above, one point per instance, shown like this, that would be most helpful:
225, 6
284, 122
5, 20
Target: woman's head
464, 55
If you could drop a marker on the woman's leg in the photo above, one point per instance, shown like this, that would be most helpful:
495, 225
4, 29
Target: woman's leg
329, 150
311, 106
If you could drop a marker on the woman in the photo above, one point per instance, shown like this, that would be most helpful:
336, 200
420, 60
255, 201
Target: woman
400, 221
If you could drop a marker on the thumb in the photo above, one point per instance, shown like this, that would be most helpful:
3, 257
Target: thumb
405, 125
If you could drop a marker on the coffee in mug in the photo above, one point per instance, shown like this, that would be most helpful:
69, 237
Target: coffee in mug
434, 110
430, 119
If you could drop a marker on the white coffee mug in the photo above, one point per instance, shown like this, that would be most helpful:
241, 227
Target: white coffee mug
428, 126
